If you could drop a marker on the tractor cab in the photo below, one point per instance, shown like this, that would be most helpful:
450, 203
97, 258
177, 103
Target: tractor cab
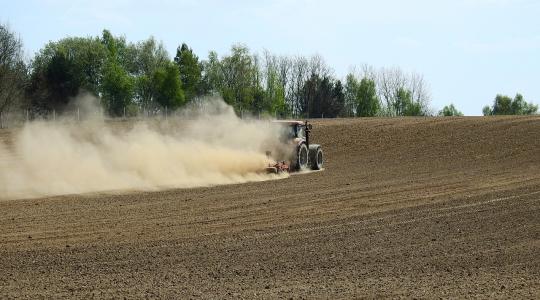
296, 131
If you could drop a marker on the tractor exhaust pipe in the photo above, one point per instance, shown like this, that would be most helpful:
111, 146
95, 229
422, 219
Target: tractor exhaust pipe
308, 131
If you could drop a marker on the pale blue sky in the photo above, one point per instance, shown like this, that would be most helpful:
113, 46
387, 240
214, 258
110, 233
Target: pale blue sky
467, 50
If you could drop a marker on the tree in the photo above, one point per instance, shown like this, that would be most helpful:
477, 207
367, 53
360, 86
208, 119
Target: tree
404, 105
299, 75
449, 111
322, 97
302, 69
486, 111
504, 105
117, 89
13, 70
367, 102
335, 107
351, 93
238, 78
142, 60
274, 74
521, 107
169, 93
212, 75
62, 69
190, 71
393, 83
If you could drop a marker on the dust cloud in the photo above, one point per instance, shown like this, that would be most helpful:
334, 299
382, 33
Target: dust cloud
208, 146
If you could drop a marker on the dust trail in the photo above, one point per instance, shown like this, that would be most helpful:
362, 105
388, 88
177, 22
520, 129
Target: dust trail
214, 147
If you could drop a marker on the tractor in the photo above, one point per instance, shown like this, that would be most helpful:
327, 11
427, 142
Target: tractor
302, 154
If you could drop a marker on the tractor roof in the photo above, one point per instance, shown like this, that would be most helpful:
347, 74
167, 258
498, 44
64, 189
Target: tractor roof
288, 122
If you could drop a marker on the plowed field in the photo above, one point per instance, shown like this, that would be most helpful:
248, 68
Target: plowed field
413, 207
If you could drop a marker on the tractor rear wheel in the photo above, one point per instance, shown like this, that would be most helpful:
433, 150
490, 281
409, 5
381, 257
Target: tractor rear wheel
316, 158
302, 157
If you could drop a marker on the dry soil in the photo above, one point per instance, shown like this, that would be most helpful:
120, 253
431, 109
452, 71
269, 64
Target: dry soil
412, 207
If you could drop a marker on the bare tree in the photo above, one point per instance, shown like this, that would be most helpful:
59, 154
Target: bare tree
368, 72
277, 65
318, 67
12, 70
420, 91
391, 82
298, 75
284, 65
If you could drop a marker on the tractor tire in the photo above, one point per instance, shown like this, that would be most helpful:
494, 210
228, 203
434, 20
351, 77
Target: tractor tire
316, 157
302, 158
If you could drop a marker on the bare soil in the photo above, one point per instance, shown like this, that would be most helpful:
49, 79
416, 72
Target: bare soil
412, 208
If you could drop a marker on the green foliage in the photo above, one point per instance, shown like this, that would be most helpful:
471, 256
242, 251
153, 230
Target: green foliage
274, 96
240, 78
405, 106
236, 77
110, 43
130, 77
190, 71
117, 89
212, 75
486, 110
146, 58
351, 91
335, 106
521, 107
449, 111
62, 69
322, 97
118, 86
402, 94
368, 102
504, 105
168, 87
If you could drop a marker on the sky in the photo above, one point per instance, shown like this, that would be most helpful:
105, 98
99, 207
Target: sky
467, 50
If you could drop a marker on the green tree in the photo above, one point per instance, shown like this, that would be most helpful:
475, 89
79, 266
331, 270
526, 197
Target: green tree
404, 105
521, 107
276, 76
62, 69
402, 93
449, 111
117, 89
322, 97
504, 105
190, 71
335, 107
143, 59
274, 95
212, 75
168, 87
351, 92
486, 110
367, 101
240, 78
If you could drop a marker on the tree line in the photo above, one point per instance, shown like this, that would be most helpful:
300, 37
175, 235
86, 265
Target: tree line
131, 78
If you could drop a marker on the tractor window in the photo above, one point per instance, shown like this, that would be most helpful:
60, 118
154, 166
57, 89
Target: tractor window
288, 133
301, 132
